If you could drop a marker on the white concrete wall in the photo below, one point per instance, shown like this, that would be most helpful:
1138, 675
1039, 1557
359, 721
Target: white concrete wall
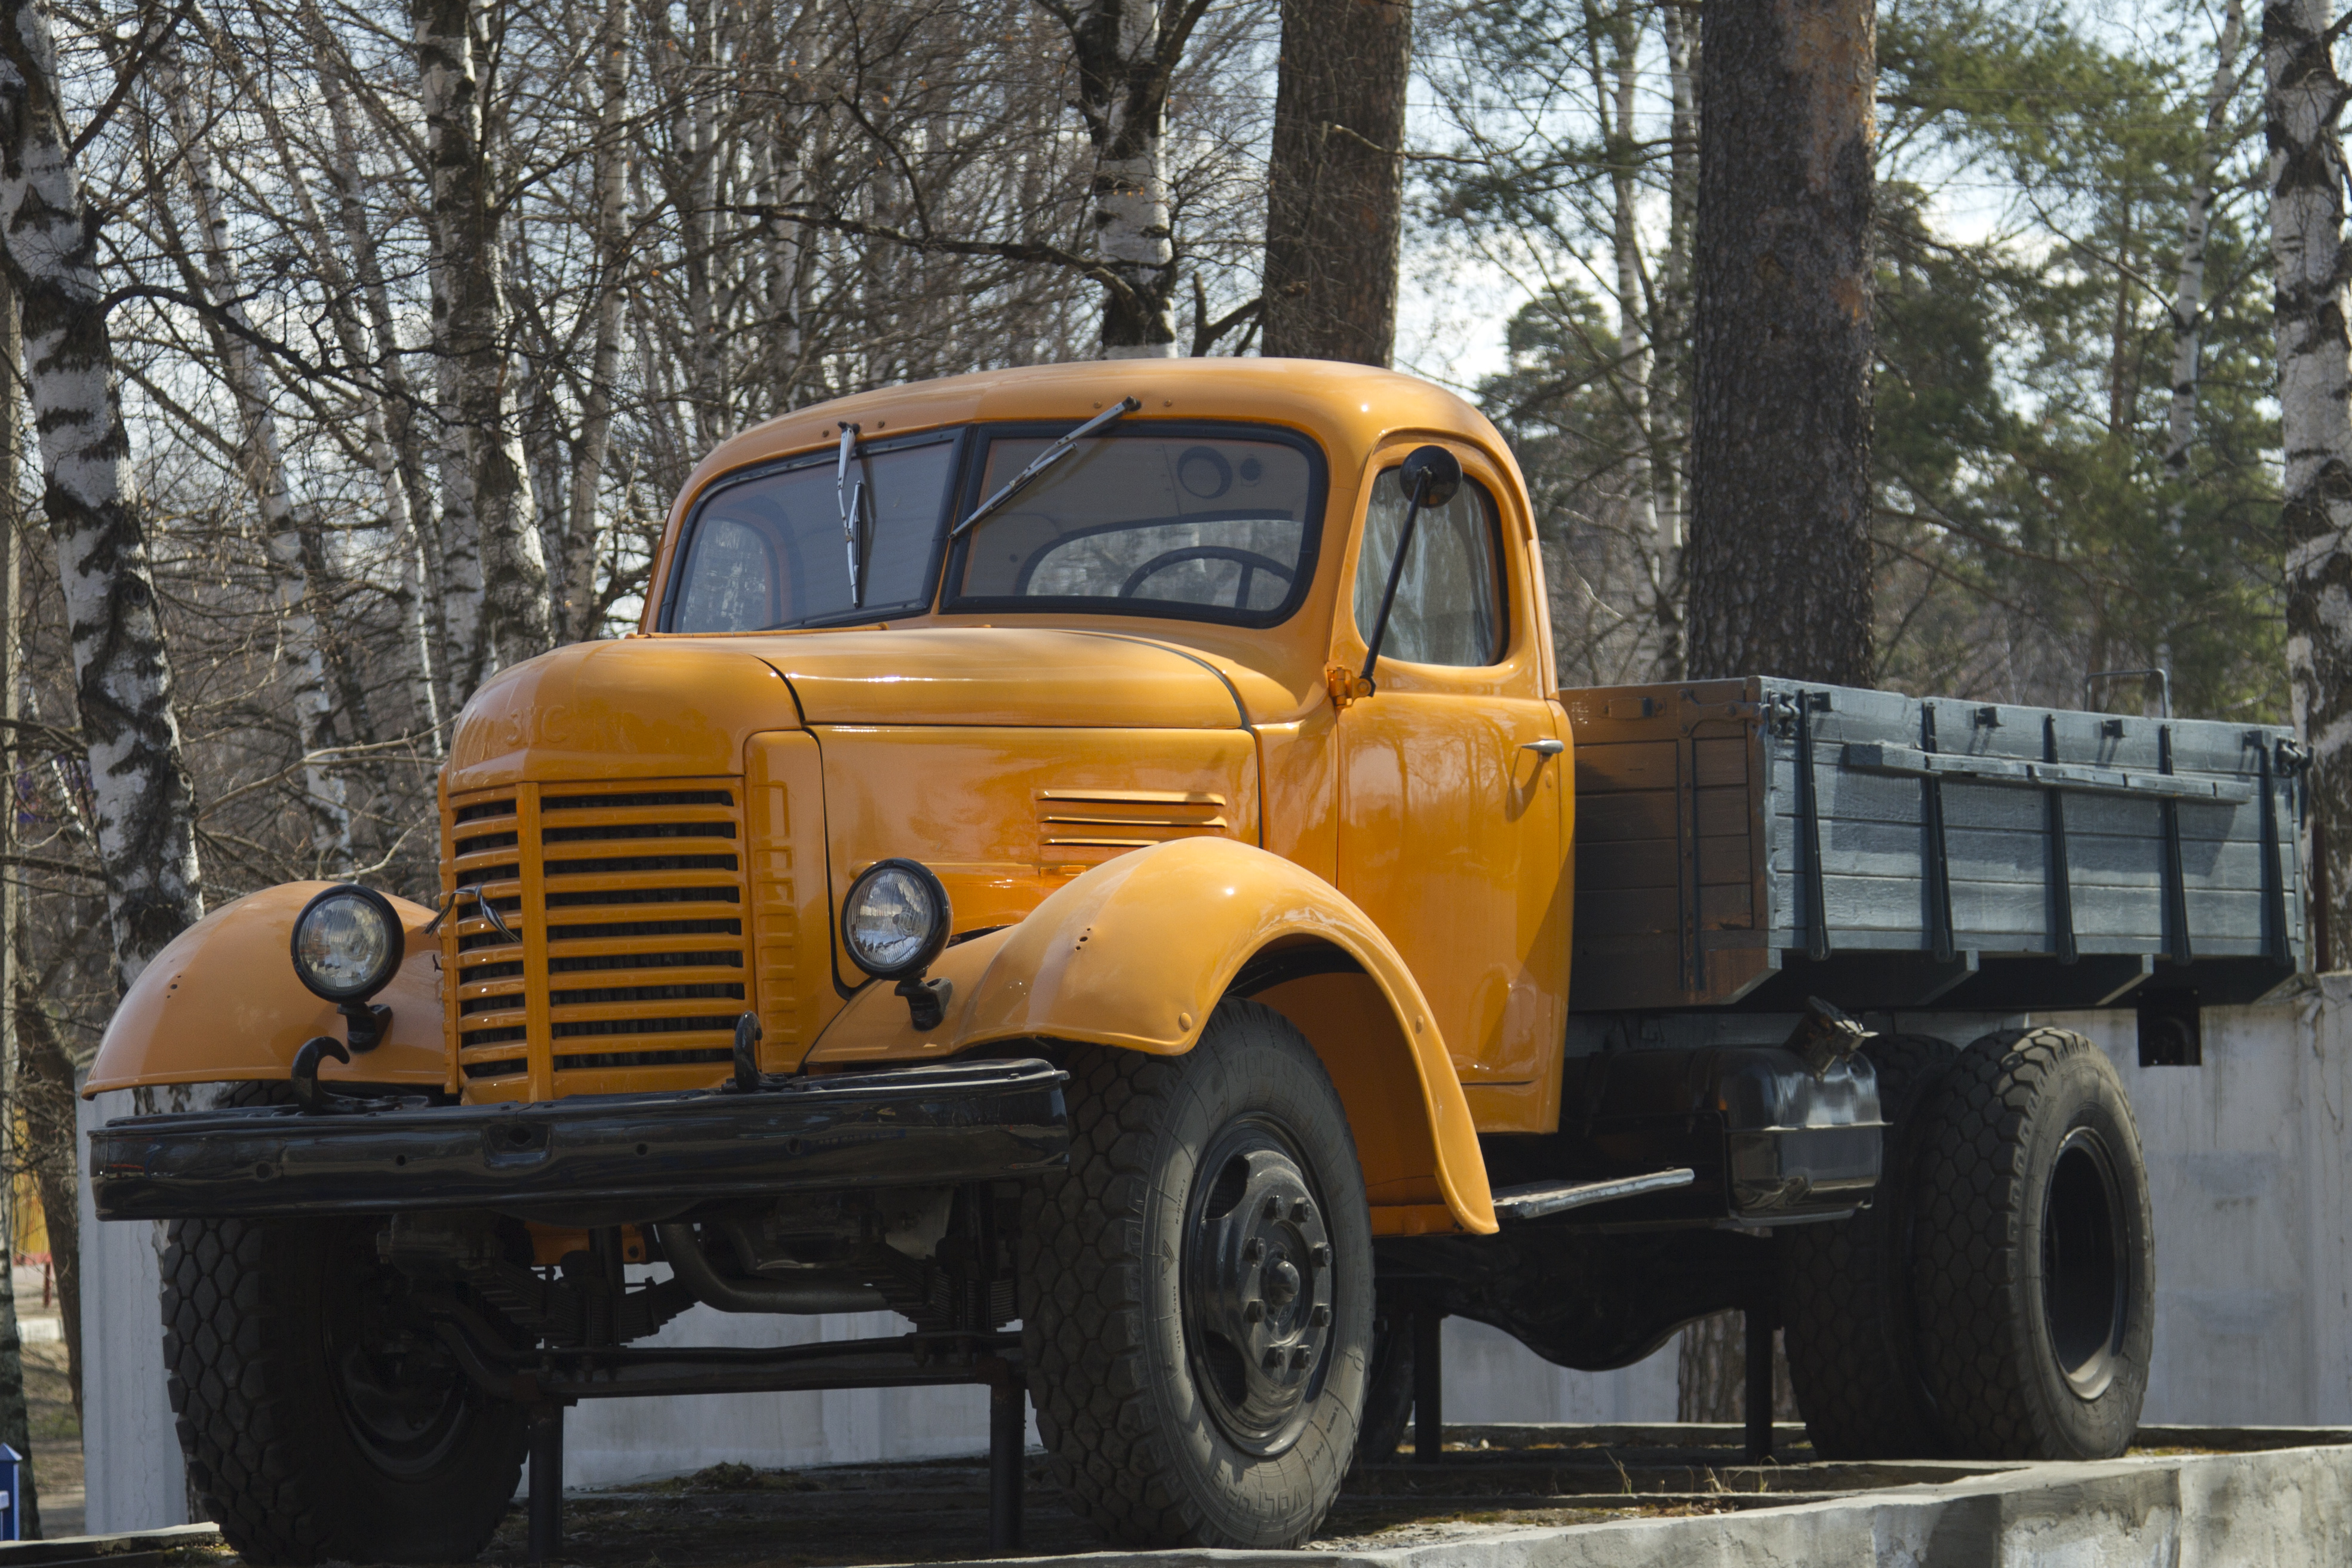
2247, 1173
606, 1441
2247, 1159
130, 1455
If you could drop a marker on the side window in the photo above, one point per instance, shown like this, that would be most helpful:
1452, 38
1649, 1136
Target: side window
1449, 602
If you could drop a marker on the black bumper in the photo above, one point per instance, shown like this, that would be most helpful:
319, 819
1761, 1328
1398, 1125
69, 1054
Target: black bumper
912, 1127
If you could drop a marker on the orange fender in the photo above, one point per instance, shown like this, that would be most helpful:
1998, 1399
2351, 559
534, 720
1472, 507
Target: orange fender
1136, 953
220, 1004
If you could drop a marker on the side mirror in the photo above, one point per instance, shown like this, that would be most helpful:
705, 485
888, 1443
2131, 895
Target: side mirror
1431, 475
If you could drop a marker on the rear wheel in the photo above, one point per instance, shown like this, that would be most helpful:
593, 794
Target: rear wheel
2035, 1266
1197, 1291
1846, 1305
319, 1417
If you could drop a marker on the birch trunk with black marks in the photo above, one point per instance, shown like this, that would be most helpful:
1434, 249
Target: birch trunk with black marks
2188, 314
382, 407
144, 802
1127, 52
471, 332
265, 463
584, 542
1335, 184
1780, 545
2304, 97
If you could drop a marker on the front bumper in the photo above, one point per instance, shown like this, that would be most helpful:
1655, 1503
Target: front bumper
660, 1152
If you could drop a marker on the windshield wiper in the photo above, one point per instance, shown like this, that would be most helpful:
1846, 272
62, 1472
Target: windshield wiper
1046, 460
851, 502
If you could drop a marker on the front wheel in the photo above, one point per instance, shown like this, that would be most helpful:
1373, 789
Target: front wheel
1197, 1290
321, 1417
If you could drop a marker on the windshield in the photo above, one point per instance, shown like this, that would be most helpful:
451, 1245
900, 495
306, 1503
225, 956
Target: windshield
772, 550
1200, 523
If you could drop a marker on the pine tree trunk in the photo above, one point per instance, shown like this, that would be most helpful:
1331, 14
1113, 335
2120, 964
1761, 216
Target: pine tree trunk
144, 821
471, 318
45, 1097
1780, 548
314, 710
1335, 186
1711, 1372
2304, 98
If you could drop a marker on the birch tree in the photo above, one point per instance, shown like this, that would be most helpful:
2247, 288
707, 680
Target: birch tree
2187, 316
291, 545
142, 797
2303, 100
490, 481
1127, 52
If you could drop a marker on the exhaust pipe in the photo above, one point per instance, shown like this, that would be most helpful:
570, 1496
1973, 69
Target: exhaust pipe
712, 1289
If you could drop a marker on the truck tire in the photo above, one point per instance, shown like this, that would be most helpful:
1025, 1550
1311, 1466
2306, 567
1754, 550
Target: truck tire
2034, 1267
318, 1419
1846, 1288
1196, 1290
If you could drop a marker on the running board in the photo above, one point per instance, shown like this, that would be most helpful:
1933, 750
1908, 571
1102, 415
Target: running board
1540, 1198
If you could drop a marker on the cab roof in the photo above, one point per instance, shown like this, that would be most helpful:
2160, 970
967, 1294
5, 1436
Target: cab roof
1349, 409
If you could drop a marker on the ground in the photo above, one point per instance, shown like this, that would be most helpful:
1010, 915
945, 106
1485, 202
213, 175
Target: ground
56, 1432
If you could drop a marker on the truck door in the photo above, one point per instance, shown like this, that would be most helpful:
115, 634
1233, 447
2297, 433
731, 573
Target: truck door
1451, 831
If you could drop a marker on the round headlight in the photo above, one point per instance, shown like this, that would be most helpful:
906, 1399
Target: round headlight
346, 943
896, 919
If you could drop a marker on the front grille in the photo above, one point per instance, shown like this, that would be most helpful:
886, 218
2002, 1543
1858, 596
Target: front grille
590, 978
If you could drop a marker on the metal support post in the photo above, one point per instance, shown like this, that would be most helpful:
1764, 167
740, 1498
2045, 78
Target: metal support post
1008, 1432
1760, 1385
546, 1481
1428, 1386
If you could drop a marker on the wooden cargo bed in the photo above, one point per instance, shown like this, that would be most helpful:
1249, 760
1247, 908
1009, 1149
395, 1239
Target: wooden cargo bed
1748, 843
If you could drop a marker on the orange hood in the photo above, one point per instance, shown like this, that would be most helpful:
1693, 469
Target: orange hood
673, 707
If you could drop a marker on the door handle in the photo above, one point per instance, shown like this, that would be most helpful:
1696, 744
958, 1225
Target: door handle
1547, 747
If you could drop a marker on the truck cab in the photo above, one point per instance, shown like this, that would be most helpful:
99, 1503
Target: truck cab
1085, 858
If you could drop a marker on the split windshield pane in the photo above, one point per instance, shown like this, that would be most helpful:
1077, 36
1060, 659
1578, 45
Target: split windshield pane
1196, 526
770, 551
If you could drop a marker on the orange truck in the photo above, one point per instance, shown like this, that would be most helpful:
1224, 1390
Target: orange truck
1097, 861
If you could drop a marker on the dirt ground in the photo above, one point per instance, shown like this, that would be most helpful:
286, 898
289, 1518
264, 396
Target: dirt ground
57, 1439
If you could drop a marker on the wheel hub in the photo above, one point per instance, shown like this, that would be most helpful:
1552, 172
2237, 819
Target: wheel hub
1257, 1288
2086, 1266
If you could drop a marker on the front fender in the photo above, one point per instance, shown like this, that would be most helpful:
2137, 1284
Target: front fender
1136, 954
220, 1004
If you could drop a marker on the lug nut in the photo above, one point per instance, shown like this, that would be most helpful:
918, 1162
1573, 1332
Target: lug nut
1298, 1359
1273, 1361
1274, 1208
1319, 1317
1320, 1254
1253, 1250
1302, 1211
1255, 1310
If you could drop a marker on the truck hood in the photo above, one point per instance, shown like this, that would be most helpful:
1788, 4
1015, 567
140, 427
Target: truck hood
1000, 675
684, 707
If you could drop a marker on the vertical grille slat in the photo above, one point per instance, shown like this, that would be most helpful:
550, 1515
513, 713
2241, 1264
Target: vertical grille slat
629, 901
